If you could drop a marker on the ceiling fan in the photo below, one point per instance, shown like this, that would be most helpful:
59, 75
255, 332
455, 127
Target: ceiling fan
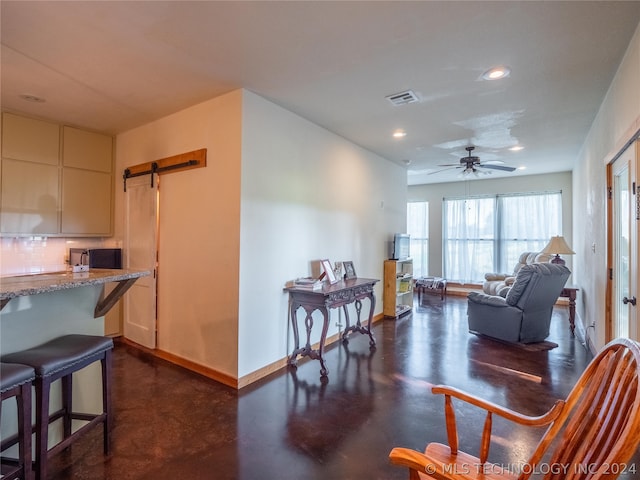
472, 165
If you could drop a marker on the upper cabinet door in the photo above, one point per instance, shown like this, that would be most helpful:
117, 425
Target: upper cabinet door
87, 150
29, 198
18, 134
86, 202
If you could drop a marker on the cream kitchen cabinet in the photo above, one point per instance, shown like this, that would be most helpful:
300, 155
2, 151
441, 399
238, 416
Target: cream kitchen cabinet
30, 195
56, 180
30, 140
87, 150
86, 202
87, 182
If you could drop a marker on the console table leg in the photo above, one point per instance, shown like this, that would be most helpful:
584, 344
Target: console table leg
372, 306
571, 293
324, 371
358, 327
572, 314
347, 328
296, 336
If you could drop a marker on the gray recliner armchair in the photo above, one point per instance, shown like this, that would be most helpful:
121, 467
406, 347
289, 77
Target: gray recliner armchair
524, 315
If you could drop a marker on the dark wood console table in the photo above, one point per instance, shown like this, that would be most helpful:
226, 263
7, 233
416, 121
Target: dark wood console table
571, 293
338, 295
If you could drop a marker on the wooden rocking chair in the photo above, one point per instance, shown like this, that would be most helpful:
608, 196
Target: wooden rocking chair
593, 432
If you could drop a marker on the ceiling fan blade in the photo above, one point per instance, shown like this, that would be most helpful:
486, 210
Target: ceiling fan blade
449, 165
443, 170
497, 167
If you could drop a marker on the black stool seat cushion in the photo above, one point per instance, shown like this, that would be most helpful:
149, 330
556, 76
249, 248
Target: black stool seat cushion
60, 353
15, 374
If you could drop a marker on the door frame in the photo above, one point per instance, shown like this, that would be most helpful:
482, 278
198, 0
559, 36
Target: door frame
632, 147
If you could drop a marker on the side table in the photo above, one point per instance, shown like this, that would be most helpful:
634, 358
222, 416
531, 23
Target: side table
571, 293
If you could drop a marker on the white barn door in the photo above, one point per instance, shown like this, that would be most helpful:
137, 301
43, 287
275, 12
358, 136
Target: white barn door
141, 230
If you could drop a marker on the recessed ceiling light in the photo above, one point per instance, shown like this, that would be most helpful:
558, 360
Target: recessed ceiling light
496, 73
517, 148
399, 134
32, 98
522, 168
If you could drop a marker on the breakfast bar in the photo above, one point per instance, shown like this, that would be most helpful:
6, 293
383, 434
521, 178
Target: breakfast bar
32, 284
38, 308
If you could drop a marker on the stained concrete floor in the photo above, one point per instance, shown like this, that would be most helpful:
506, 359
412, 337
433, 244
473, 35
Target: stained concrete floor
173, 424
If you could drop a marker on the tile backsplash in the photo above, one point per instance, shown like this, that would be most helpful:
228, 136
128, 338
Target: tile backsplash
24, 255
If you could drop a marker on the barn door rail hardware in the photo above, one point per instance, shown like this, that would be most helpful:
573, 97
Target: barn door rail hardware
176, 163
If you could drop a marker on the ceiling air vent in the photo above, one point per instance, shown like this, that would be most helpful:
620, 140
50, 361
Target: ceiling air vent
402, 98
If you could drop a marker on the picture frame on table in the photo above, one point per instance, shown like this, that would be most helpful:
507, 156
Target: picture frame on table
328, 271
349, 270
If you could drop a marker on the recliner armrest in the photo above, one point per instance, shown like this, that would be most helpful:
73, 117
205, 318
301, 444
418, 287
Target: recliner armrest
495, 276
484, 299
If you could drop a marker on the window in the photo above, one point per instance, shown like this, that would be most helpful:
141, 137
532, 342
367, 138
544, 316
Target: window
488, 233
418, 228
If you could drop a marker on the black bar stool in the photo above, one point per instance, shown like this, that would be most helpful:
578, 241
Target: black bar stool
59, 359
15, 382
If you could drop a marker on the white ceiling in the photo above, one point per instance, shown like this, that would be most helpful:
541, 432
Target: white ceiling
111, 66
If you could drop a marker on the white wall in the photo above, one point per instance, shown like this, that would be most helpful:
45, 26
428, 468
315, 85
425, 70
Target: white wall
617, 120
278, 192
199, 229
434, 194
307, 194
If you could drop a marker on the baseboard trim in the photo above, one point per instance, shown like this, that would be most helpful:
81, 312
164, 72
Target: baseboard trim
223, 378
184, 363
197, 368
277, 365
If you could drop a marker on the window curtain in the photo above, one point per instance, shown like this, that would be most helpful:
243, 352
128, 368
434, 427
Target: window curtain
526, 224
418, 229
469, 234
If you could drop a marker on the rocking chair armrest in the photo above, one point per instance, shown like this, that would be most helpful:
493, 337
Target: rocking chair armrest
438, 461
412, 459
544, 419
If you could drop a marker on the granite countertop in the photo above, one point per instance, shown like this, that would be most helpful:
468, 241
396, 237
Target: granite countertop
32, 284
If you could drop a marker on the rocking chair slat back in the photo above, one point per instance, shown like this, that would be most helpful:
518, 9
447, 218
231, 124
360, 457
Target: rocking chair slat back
600, 424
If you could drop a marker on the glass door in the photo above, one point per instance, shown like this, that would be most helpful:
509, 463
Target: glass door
624, 243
